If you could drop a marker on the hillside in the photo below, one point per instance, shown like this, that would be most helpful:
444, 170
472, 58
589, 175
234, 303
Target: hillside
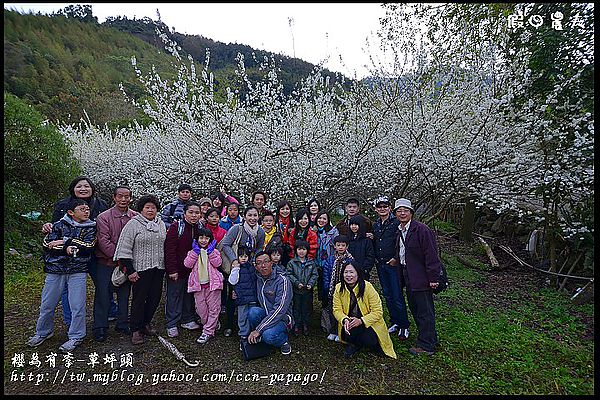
64, 65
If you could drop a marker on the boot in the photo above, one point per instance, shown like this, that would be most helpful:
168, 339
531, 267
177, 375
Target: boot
137, 338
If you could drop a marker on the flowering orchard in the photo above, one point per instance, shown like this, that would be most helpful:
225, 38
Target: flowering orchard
436, 124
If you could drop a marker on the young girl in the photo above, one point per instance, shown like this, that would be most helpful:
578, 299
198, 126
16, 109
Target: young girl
313, 207
221, 200
360, 246
284, 223
303, 276
233, 217
276, 254
302, 231
243, 279
205, 281
325, 249
212, 223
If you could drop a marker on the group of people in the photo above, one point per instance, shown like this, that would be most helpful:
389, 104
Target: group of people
220, 260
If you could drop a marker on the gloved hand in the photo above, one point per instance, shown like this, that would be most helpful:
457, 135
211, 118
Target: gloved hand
211, 246
195, 247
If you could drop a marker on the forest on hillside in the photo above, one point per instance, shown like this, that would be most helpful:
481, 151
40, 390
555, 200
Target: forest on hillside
67, 62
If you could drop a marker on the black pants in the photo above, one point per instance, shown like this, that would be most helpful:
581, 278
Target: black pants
147, 292
103, 296
362, 337
423, 311
302, 305
228, 302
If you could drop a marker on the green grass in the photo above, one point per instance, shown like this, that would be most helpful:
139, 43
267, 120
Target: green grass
494, 340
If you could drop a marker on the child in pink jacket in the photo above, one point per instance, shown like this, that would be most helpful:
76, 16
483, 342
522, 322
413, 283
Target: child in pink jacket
205, 281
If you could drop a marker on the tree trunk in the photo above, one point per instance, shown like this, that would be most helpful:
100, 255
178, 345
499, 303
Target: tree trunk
468, 222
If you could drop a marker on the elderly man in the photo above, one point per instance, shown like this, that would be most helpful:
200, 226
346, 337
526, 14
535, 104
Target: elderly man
270, 321
419, 271
174, 210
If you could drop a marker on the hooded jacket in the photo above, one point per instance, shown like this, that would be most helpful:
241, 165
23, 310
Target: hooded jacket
80, 234
96, 205
177, 246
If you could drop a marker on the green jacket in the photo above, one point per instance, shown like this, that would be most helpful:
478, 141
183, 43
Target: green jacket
297, 273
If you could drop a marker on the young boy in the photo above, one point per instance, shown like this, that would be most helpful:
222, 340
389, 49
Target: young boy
67, 251
331, 277
243, 279
268, 225
303, 276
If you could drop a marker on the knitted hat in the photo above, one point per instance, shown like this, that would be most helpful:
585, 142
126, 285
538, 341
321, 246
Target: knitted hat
184, 186
205, 200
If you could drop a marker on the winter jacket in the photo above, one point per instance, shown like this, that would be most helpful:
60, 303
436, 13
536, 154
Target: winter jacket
311, 238
243, 280
109, 225
384, 239
245, 239
372, 313
80, 234
226, 222
274, 295
96, 205
177, 245
302, 272
422, 261
172, 212
143, 242
361, 248
325, 248
218, 232
215, 276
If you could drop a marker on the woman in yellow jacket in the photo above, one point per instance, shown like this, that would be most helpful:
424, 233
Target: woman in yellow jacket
357, 306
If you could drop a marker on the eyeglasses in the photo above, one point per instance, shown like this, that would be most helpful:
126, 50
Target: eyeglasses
81, 209
261, 263
383, 206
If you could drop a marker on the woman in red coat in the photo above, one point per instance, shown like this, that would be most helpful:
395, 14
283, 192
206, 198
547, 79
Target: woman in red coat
302, 231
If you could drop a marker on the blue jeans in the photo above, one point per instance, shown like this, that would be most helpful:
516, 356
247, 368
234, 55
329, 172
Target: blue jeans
51, 293
276, 335
394, 296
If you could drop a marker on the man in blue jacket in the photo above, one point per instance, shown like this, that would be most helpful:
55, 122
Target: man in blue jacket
270, 321
385, 234
419, 266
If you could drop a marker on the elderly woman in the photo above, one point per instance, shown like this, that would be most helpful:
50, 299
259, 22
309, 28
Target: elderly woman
357, 307
140, 250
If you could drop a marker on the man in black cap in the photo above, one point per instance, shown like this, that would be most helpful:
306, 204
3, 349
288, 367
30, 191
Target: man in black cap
174, 210
385, 231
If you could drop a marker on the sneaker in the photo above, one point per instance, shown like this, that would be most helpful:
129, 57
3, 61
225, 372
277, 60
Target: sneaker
36, 340
331, 337
70, 345
418, 351
193, 325
203, 338
393, 328
403, 333
336, 339
286, 349
228, 332
173, 332
112, 318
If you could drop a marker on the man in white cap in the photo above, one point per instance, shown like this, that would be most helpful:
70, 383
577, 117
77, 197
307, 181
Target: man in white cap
385, 231
419, 271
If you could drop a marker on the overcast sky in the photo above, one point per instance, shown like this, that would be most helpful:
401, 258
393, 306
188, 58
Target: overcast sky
318, 31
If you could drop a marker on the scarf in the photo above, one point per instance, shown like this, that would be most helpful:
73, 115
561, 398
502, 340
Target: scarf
151, 225
252, 233
203, 276
354, 310
323, 243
